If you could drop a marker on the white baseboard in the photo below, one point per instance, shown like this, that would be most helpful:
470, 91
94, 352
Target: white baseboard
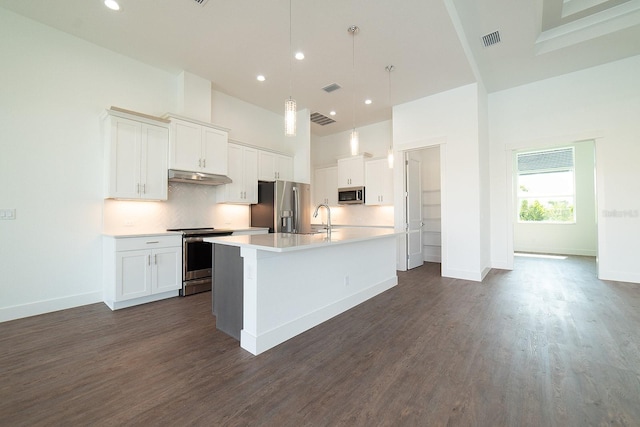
619, 276
264, 341
48, 306
117, 305
475, 276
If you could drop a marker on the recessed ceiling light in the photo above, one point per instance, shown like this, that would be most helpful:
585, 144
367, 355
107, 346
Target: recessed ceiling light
299, 56
112, 4
367, 101
261, 78
332, 113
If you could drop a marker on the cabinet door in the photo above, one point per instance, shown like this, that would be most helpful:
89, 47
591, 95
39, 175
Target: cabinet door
232, 193
267, 166
331, 186
124, 159
133, 274
214, 151
351, 172
167, 269
155, 149
319, 186
186, 146
378, 183
284, 168
250, 175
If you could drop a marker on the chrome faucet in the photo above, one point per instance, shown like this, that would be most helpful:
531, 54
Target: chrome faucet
315, 214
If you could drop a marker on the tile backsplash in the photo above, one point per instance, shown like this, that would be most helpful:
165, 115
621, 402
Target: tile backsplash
188, 205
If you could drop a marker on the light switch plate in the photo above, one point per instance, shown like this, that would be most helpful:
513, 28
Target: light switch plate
6, 214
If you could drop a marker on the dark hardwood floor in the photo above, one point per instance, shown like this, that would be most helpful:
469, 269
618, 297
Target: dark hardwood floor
544, 345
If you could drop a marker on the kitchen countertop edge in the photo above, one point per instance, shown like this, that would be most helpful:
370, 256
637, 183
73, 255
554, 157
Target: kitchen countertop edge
271, 243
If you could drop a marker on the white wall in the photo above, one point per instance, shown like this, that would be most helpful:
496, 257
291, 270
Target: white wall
374, 139
451, 120
601, 103
578, 238
54, 88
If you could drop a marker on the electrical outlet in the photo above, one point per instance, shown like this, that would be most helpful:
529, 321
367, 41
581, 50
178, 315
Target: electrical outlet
346, 280
129, 223
7, 214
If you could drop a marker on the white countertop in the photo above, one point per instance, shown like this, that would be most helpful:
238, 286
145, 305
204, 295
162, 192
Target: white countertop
286, 242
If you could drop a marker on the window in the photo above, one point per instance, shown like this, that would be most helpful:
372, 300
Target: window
546, 186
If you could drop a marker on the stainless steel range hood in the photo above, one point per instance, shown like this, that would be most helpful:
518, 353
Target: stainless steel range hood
197, 178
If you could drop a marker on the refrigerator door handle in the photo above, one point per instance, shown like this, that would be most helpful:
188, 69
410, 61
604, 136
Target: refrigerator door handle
296, 209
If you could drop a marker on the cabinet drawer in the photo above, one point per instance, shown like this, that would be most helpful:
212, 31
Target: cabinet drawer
147, 242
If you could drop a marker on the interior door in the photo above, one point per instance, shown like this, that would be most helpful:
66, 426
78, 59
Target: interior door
414, 212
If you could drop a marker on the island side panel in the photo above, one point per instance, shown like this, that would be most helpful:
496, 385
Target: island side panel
228, 289
290, 292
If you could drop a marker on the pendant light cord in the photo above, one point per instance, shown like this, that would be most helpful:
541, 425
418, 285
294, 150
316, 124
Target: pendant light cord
290, 55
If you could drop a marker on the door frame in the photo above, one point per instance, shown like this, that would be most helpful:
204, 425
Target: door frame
544, 143
400, 200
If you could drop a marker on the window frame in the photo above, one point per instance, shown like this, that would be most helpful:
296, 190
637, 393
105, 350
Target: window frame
518, 174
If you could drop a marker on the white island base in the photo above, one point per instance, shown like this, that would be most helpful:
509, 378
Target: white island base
295, 282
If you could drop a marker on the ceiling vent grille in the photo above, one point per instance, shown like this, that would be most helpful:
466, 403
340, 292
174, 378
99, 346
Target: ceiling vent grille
201, 2
321, 119
330, 88
491, 39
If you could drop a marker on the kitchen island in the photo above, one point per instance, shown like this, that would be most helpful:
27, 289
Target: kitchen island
293, 282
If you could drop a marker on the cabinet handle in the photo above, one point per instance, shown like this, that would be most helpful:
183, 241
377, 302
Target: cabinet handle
199, 163
204, 163
138, 189
144, 188
152, 242
149, 259
155, 259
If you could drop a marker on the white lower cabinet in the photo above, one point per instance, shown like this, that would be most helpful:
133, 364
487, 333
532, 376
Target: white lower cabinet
137, 270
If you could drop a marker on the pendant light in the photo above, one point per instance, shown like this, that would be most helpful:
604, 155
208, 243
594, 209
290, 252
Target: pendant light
290, 104
353, 140
389, 69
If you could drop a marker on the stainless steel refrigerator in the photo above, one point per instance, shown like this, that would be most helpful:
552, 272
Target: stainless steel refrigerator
283, 206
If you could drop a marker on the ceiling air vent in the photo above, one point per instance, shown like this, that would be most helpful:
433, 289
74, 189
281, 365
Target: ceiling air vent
321, 119
201, 2
330, 88
491, 39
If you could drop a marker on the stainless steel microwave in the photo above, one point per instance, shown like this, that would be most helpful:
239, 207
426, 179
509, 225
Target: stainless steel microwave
350, 196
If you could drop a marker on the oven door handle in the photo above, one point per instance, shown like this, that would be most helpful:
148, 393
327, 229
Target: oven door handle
192, 239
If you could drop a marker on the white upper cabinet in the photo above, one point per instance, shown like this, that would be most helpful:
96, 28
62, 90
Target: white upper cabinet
351, 171
325, 186
378, 183
273, 166
243, 171
197, 147
136, 150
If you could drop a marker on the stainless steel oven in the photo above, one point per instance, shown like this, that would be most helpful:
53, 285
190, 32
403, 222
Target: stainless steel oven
197, 257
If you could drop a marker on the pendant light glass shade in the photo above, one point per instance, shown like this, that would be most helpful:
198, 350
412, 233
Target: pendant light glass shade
290, 104
354, 142
390, 157
290, 117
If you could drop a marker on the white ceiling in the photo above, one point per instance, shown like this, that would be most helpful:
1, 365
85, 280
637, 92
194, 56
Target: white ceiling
435, 45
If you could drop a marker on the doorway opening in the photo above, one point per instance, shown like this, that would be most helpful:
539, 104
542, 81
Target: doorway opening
553, 211
423, 205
